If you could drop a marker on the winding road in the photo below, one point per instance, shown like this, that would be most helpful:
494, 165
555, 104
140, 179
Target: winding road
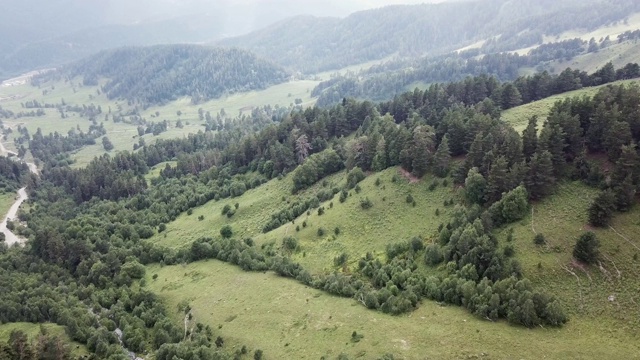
10, 237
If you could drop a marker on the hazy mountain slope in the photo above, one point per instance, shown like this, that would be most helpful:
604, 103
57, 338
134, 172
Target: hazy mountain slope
317, 44
158, 74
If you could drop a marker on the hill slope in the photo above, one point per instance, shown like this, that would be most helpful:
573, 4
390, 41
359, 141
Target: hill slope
159, 74
316, 44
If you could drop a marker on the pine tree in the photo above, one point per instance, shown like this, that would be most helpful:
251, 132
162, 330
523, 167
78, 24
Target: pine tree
586, 248
510, 96
540, 179
628, 164
619, 134
530, 138
624, 193
442, 158
601, 209
422, 149
475, 186
497, 181
552, 140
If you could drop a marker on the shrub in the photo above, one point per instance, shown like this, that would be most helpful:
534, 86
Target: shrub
509, 251
226, 231
409, 199
320, 232
539, 239
290, 243
586, 248
341, 259
433, 255
336, 231
320, 211
366, 203
226, 209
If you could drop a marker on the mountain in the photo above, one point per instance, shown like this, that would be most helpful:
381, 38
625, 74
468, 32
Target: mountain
161, 73
36, 34
313, 44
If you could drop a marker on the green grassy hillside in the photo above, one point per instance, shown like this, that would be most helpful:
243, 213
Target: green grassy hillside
295, 321
519, 116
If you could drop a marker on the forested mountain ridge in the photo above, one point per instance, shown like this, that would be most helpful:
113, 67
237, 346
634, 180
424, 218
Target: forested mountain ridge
158, 74
318, 44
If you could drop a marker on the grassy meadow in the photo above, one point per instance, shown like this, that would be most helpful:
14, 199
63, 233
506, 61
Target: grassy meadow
288, 320
124, 135
519, 116
389, 221
295, 321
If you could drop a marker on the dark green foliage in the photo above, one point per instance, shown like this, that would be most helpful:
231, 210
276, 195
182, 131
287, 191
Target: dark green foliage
586, 248
366, 203
601, 209
512, 207
336, 231
442, 158
320, 232
509, 251
290, 243
257, 355
355, 337
315, 168
159, 74
433, 255
341, 259
409, 199
321, 211
106, 144
354, 176
539, 239
475, 186
226, 231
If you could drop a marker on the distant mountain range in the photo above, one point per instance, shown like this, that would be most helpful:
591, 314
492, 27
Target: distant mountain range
313, 44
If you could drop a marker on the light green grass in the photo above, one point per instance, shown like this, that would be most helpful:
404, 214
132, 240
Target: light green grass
562, 218
519, 116
288, 320
123, 135
6, 200
33, 331
255, 209
618, 54
391, 220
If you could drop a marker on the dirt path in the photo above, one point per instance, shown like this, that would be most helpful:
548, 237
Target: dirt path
10, 237
412, 179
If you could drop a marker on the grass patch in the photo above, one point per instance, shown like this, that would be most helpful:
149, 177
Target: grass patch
123, 135
288, 320
6, 200
519, 116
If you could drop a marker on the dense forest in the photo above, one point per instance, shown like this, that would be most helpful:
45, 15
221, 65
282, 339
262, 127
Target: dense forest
159, 74
83, 266
319, 44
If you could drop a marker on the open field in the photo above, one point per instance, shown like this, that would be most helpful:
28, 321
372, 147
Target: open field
6, 200
618, 54
562, 218
288, 320
519, 116
391, 219
124, 135
33, 330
